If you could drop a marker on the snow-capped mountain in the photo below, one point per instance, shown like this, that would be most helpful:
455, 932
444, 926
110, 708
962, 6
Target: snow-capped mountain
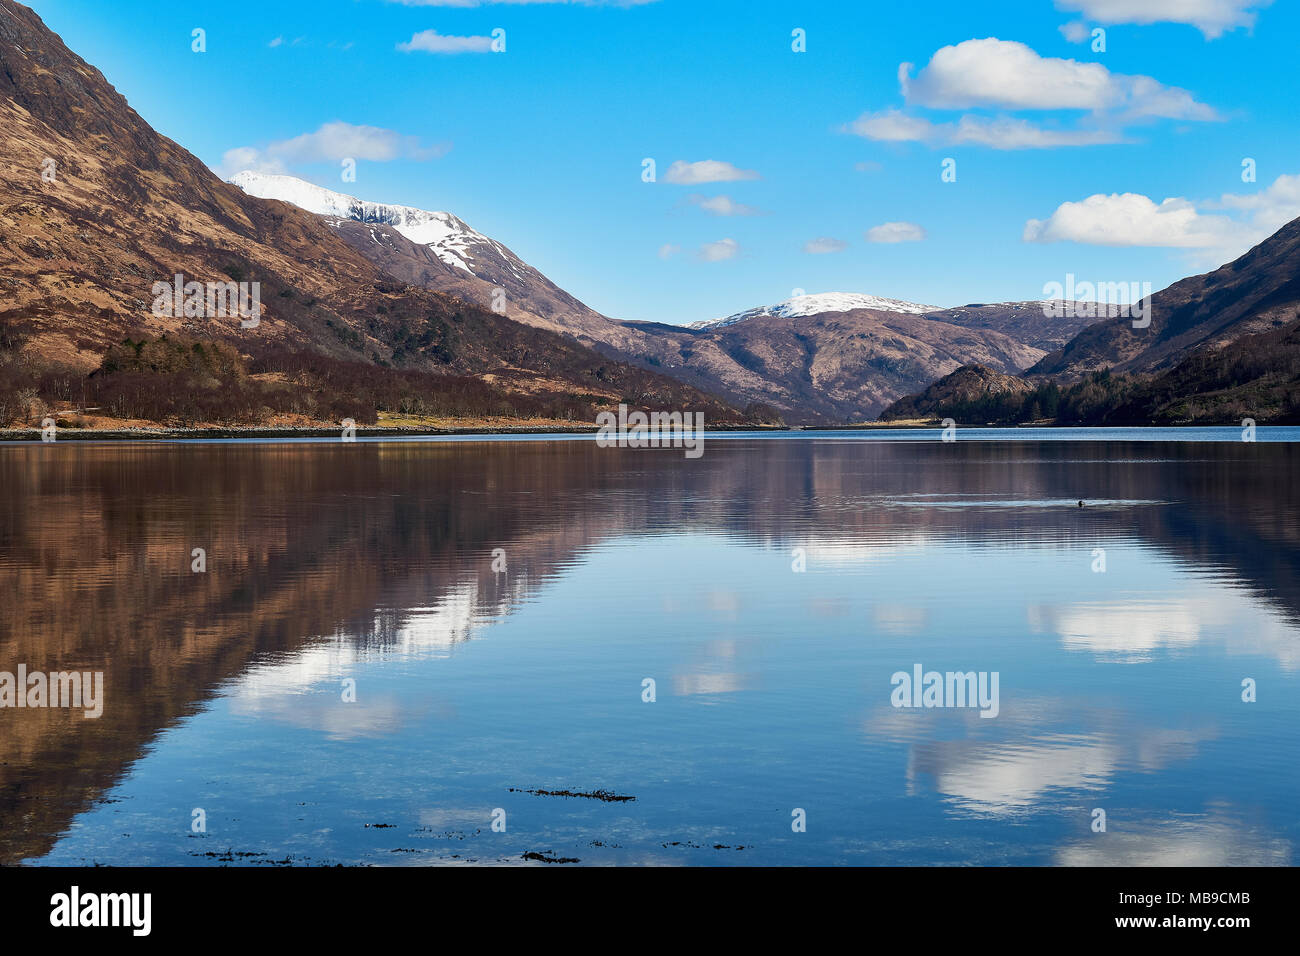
433, 249
448, 236
817, 304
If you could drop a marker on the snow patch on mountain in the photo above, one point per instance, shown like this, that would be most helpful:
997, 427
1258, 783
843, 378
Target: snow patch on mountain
447, 236
817, 304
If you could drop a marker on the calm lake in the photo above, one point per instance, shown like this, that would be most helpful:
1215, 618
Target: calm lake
385, 647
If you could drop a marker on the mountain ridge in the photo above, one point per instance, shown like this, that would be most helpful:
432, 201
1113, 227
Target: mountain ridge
1256, 292
96, 207
433, 249
1222, 347
818, 303
818, 358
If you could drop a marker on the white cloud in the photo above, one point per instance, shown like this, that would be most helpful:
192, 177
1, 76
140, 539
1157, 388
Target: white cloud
894, 126
1132, 219
1005, 74
1128, 219
1212, 17
1007, 133
338, 140
276, 42
431, 41
334, 141
997, 133
683, 173
724, 206
1269, 209
719, 251
668, 250
824, 246
248, 157
1076, 31
895, 232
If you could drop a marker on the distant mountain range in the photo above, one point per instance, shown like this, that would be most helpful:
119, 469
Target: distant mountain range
829, 357
818, 304
97, 207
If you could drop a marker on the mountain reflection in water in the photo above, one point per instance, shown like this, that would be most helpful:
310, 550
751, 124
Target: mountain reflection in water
373, 562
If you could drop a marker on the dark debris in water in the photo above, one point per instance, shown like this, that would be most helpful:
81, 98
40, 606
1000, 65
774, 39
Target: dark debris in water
446, 834
229, 856
605, 795
699, 846
543, 858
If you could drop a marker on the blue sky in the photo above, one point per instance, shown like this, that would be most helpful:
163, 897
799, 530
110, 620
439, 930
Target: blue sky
819, 157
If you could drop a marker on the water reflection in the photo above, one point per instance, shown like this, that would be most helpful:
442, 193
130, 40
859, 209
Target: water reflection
1210, 841
373, 563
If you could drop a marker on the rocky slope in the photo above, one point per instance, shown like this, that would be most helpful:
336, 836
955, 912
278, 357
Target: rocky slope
1023, 321
1255, 377
967, 385
436, 250
96, 207
1255, 293
1221, 347
827, 368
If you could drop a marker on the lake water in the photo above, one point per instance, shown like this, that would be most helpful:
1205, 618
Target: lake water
771, 590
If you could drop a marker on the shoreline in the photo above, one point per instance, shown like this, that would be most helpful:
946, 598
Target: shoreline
309, 432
